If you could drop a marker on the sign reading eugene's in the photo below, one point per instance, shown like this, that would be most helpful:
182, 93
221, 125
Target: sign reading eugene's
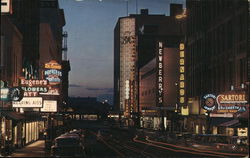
231, 103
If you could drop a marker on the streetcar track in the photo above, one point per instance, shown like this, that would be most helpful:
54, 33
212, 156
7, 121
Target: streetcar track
207, 151
166, 148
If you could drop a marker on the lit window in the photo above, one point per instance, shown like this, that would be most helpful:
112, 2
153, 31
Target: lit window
182, 84
182, 54
182, 77
182, 99
182, 92
181, 61
182, 68
182, 46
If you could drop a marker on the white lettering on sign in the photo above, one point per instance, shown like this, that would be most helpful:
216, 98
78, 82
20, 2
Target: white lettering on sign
160, 73
28, 102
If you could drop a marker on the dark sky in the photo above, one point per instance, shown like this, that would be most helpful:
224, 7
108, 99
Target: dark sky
90, 25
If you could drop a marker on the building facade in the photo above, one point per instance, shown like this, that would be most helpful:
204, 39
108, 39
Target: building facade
135, 44
217, 60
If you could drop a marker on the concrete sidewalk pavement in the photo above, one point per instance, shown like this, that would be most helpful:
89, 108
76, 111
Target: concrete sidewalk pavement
36, 149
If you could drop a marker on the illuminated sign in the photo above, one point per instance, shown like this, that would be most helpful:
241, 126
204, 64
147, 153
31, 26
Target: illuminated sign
182, 74
128, 57
231, 103
127, 88
6, 6
209, 102
51, 91
53, 76
32, 83
49, 106
11, 94
160, 73
32, 88
28, 102
53, 65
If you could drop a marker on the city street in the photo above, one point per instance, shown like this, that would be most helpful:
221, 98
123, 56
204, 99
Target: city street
125, 78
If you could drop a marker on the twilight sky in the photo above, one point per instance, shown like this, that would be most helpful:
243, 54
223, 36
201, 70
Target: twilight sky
90, 26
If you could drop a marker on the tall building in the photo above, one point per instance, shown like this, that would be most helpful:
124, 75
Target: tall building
135, 44
217, 53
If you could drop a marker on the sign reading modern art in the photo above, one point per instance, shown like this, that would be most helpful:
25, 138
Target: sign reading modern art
28, 102
49, 106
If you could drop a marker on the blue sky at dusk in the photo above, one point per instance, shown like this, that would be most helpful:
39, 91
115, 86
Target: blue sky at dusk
90, 26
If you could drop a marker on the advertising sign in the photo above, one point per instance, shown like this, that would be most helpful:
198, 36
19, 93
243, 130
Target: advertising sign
53, 76
11, 94
28, 102
49, 106
231, 103
209, 102
32, 88
51, 91
53, 65
182, 74
6, 6
159, 60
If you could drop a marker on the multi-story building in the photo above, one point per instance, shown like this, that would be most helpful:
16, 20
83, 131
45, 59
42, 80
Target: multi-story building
10, 70
217, 60
135, 44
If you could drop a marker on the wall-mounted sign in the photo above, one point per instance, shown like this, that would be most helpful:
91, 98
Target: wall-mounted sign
209, 102
6, 6
49, 106
182, 74
51, 91
11, 94
53, 65
33, 83
159, 60
28, 102
231, 103
32, 88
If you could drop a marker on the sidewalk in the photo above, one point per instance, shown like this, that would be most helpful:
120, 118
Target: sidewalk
35, 149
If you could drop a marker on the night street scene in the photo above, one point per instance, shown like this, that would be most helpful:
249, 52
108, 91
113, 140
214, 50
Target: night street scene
125, 78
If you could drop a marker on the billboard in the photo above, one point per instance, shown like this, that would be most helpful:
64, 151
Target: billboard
28, 102
49, 106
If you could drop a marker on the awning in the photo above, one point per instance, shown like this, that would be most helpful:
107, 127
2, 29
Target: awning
12, 115
217, 121
232, 123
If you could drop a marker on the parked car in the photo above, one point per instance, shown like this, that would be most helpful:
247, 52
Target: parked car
68, 145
